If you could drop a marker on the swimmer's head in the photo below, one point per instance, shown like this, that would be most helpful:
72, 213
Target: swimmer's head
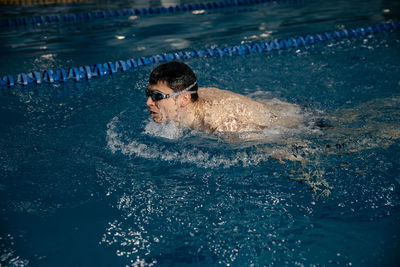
177, 76
172, 87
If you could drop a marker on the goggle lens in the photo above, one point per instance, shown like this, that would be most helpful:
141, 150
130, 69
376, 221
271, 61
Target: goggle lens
155, 95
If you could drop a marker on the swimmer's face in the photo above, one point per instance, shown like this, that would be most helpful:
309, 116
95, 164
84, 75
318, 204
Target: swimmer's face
165, 109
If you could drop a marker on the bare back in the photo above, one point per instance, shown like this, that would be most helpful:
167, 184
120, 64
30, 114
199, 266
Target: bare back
224, 111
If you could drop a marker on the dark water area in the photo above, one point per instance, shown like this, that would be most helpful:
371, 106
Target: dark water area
86, 179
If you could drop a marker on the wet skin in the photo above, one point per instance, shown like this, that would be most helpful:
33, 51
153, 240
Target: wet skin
219, 110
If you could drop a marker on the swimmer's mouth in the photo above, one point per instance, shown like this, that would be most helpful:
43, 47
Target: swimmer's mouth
152, 113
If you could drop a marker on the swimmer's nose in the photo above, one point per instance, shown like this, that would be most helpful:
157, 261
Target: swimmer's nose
149, 101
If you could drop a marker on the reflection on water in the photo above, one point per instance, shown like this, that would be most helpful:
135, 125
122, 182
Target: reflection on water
7, 253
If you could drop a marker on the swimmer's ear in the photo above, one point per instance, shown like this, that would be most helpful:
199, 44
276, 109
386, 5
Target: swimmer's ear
185, 99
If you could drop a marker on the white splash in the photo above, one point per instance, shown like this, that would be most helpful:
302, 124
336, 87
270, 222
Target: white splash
279, 142
167, 130
203, 159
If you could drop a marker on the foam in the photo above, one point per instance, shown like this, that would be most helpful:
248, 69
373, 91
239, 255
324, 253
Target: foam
167, 130
280, 134
117, 142
240, 149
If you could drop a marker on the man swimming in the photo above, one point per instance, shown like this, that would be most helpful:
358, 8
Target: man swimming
173, 95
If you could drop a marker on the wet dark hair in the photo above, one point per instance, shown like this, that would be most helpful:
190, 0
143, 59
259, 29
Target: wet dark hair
177, 75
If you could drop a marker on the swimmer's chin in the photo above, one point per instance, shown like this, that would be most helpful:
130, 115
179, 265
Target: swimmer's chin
157, 119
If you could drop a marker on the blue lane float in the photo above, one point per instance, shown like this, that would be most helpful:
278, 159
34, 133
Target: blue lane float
87, 72
74, 18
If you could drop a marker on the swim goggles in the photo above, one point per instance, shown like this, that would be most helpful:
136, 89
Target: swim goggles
157, 95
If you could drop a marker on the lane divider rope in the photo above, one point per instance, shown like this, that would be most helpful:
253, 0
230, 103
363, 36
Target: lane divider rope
39, 2
87, 72
74, 18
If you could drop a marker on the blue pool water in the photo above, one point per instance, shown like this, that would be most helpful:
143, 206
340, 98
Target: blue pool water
86, 179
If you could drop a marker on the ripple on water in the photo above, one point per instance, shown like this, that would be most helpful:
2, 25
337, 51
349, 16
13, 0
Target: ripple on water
169, 143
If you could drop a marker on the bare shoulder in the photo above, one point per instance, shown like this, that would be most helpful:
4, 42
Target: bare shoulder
210, 92
226, 111
215, 94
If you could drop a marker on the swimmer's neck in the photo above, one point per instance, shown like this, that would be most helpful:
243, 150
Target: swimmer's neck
190, 115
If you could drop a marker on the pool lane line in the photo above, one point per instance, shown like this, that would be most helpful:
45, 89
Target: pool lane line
87, 72
82, 17
39, 2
